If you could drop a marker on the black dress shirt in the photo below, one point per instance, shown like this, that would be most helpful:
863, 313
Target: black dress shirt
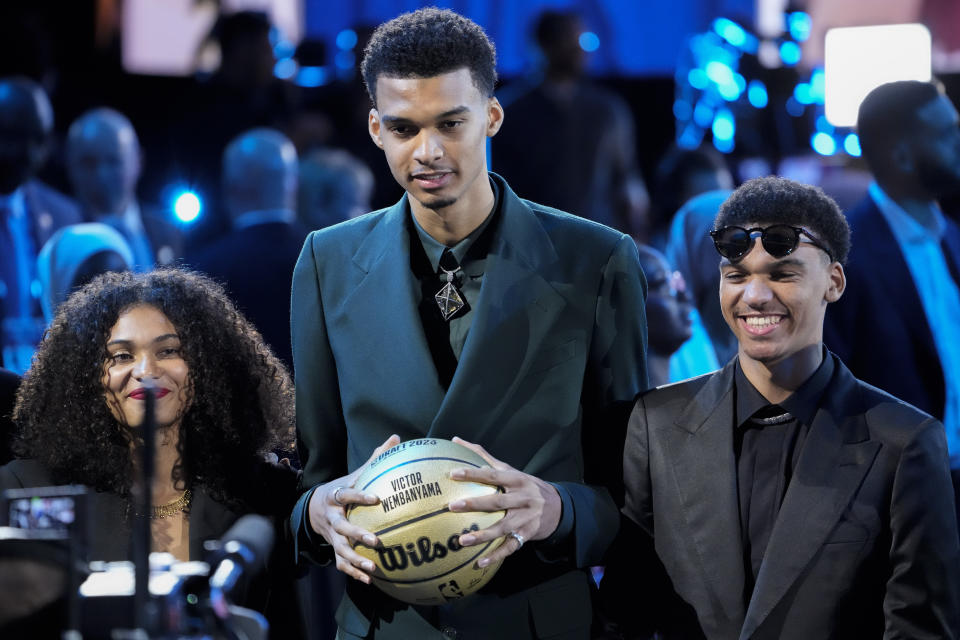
446, 338
768, 439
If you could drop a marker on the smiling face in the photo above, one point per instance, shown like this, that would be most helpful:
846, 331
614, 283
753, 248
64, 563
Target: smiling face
143, 346
433, 132
775, 306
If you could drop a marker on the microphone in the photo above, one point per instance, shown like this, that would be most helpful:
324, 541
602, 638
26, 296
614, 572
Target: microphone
244, 551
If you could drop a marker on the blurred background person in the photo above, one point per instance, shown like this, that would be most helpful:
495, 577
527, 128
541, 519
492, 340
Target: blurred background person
255, 259
74, 256
668, 314
568, 142
682, 174
223, 402
690, 250
898, 326
334, 186
30, 212
104, 163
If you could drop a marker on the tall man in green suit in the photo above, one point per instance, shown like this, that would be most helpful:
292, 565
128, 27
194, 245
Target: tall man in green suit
464, 311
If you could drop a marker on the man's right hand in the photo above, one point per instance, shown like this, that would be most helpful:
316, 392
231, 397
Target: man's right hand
328, 518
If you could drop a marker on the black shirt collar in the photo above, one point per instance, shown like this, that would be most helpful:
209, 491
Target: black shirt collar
802, 403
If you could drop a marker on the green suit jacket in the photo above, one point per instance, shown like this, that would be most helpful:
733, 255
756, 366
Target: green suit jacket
558, 336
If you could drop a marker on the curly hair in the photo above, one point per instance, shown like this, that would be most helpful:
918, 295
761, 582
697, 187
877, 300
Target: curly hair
426, 43
241, 397
773, 200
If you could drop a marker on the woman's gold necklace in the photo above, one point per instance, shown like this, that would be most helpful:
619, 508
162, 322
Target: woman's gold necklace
171, 508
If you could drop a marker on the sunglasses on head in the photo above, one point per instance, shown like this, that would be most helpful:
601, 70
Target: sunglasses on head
779, 240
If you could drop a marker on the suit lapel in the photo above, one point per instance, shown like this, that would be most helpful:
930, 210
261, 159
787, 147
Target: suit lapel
700, 442
836, 456
513, 316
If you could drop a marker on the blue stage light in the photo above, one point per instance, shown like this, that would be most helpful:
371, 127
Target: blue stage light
723, 146
818, 85
790, 53
851, 144
822, 124
719, 72
698, 79
589, 41
347, 39
798, 24
682, 110
730, 31
736, 35
824, 144
311, 76
801, 93
757, 94
187, 206
724, 127
285, 68
703, 114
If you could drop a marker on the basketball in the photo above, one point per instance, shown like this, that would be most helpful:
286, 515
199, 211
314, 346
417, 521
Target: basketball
420, 560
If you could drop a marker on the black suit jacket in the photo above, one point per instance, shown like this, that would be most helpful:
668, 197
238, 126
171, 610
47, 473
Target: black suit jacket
256, 266
879, 328
864, 546
109, 534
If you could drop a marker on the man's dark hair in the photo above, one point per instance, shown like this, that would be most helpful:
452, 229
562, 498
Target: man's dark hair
426, 43
889, 113
775, 200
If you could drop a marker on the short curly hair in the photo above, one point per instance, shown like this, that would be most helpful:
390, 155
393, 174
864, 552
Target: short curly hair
241, 397
426, 43
773, 199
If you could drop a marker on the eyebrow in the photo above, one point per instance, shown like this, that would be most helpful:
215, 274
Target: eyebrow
456, 111
165, 336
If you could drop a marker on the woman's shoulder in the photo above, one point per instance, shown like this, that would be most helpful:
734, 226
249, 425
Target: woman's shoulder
24, 473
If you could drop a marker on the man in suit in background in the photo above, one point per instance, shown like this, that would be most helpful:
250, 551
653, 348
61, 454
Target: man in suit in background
781, 497
104, 162
30, 212
464, 311
898, 327
255, 259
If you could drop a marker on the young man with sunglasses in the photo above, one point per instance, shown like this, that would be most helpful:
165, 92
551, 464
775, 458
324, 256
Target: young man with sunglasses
781, 497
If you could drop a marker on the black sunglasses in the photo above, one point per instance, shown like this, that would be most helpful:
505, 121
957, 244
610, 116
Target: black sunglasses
778, 240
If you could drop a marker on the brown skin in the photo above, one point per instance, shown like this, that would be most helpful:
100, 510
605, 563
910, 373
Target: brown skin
794, 291
437, 128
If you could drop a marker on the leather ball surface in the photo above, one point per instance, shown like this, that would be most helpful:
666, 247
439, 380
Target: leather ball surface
419, 560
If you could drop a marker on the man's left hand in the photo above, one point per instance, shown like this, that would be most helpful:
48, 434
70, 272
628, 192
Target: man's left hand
533, 506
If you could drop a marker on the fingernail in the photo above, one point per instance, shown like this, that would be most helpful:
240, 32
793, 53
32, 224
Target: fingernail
484, 562
368, 566
457, 473
466, 541
456, 505
369, 540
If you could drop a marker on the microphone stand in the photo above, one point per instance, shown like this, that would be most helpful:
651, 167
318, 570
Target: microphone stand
143, 609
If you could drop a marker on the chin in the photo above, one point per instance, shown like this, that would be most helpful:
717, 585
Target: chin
439, 203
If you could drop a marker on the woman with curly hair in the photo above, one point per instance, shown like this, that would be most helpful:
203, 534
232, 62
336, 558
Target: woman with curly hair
223, 403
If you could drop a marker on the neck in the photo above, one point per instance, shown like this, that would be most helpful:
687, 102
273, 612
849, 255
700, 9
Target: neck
166, 456
777, 381
449, 225
658, 368
916, 202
